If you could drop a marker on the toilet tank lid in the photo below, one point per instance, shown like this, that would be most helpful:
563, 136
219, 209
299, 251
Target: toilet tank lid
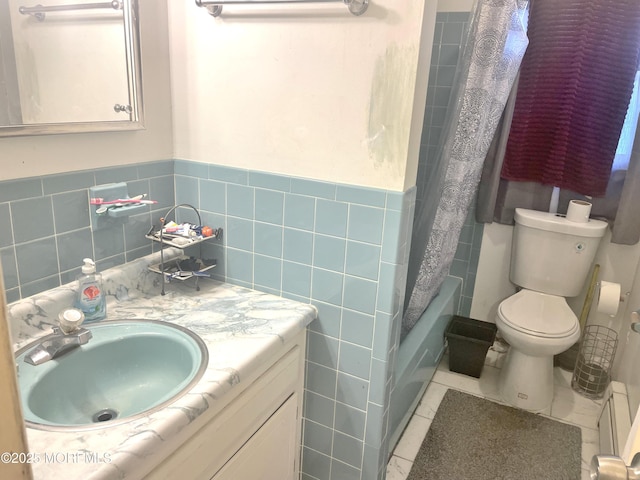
554, 222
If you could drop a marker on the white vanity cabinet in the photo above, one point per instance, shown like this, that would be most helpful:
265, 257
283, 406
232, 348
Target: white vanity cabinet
270, 453
255, 433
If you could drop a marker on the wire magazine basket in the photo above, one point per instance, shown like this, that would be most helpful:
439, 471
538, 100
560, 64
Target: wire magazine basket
592, 372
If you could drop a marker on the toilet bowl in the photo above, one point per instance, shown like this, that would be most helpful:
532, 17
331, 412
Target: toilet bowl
537, 326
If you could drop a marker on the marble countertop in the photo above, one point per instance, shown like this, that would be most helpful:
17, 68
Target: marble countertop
241, 328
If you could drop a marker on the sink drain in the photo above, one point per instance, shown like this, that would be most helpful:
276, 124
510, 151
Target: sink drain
104, 415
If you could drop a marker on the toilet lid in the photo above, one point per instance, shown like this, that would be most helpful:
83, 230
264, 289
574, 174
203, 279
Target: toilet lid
538, 314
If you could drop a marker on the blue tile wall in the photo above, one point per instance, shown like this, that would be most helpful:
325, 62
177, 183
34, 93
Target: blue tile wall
448, 40
311, 241
47, 227
342, 248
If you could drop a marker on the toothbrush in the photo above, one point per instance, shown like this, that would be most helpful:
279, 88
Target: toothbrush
104, 206
102, 201
137, 199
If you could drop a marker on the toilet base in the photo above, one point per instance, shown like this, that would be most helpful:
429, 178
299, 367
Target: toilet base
526, 381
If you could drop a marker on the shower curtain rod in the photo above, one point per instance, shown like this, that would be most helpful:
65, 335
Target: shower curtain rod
214, 7
39, 10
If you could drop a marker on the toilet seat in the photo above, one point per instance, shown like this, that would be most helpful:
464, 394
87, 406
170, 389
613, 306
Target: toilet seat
538, 314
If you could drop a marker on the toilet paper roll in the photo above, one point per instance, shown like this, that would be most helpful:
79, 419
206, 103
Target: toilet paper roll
609, 298
578, 211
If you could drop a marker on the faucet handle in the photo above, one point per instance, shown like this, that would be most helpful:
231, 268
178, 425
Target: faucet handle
70, 320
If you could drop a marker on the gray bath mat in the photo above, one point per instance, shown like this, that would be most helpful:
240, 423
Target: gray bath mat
475, 439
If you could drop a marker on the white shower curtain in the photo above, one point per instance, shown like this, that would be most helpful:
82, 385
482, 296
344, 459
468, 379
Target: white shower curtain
496, 42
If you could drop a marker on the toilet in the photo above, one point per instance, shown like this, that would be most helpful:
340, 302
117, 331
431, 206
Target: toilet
550, 260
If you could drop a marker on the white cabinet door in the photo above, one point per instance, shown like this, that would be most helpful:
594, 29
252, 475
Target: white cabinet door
270, 453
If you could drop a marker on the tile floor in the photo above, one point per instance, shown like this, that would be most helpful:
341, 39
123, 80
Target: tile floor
568, 406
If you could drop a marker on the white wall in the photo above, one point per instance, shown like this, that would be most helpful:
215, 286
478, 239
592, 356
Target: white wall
455, 5
629, 347
306, 90
492, 277
29, 156
303, 90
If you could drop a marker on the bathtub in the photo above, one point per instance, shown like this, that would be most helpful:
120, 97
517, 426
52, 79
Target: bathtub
418, 357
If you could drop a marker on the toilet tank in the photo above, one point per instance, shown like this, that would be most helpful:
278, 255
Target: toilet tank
551, 254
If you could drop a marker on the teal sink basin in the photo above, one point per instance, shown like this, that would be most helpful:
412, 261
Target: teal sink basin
129, 369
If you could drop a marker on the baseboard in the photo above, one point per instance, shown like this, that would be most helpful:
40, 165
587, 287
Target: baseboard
614, 422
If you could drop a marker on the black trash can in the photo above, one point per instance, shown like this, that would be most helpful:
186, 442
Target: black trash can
469, 340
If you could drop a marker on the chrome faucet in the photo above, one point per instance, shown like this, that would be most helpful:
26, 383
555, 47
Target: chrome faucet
56, 344
67, 336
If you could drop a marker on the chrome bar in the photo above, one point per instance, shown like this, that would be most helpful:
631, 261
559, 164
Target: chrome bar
356, 7
39, 10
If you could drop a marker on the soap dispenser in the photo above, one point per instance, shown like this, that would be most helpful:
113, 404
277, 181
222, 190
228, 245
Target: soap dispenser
91, 299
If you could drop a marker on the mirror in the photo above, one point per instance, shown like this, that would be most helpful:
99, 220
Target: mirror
69, 66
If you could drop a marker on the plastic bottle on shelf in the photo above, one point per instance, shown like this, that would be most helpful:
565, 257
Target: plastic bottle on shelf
91, 298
